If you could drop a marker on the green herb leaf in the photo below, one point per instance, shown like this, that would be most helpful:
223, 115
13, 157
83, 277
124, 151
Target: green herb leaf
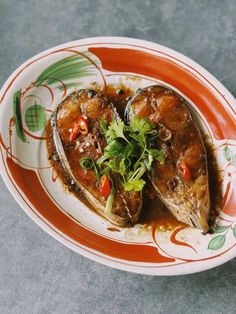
112, 164
116, 129
157, 154
217, 242
139, 138
135, 185
104, 126
143, 126
122, 167
129, 149
114, 149
110, 134
228, 154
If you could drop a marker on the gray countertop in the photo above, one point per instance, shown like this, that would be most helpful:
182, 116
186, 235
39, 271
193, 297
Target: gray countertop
37, 273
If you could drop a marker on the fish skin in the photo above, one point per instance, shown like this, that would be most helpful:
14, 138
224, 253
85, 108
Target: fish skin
127, 205
189, 201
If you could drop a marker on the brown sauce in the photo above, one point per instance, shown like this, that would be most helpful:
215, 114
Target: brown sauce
154, 213
215, 183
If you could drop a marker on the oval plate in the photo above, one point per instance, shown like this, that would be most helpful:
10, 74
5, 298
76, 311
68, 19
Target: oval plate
34, 90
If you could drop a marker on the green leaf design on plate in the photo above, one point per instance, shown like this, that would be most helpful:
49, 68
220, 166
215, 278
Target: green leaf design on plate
228, 154
17, 116
66, 69
217, 242
234, 230
69, 85
219, 229
234, 161
35, 117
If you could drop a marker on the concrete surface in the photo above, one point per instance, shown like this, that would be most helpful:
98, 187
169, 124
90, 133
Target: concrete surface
40, 275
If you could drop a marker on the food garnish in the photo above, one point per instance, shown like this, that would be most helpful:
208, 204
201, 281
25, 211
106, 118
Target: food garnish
104, 185
80, 126
129, 153
184, 170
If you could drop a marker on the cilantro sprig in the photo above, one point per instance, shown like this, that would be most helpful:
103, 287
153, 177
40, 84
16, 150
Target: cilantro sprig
129, 151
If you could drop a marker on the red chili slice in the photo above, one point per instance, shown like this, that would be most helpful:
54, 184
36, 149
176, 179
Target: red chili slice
184, 170
80, 126
83, 125
152, 118
104, 186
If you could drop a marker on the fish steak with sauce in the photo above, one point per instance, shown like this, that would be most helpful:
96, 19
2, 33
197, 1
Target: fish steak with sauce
181, 182
86, 108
